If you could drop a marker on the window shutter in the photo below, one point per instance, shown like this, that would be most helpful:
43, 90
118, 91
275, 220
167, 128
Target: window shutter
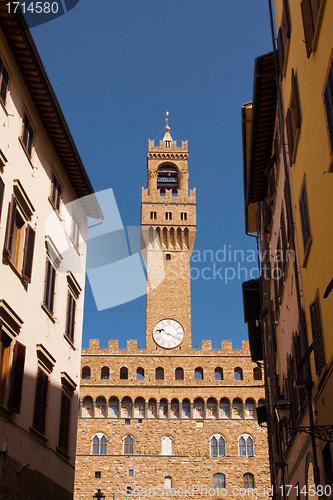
50, 275
40, 401
4, 78
328, 101
64, 422
318, 347
25, 130
307, 25
70, 322
286, 18
0, 329
303, 207
2, 192
294, 102
28, 253
10, 226
280, 52
17, 378
290, 135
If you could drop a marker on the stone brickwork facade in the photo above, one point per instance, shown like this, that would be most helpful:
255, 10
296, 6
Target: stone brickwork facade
168, 418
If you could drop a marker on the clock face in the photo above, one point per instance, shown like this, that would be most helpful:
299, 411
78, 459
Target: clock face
168, 333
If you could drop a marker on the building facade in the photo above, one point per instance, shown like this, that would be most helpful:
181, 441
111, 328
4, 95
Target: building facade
168, 419
42, 275
288, 145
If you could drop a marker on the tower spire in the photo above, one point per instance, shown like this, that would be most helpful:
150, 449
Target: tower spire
167, 137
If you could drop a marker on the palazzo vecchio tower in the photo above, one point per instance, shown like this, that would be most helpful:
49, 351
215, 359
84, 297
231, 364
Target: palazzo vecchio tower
169, 420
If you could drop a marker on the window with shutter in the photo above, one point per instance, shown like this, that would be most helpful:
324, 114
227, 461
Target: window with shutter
293, 120
64, 422
20, 236
328, 102
317, 336
40, 401
17, 378
310, 14
56, 192
2, 192
50, 276
4, 78
70, 319
4, 352
303, 208
27, 134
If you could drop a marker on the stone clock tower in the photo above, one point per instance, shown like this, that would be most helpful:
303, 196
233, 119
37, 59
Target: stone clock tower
168, 416
168, 221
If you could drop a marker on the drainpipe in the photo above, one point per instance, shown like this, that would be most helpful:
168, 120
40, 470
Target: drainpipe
290, 220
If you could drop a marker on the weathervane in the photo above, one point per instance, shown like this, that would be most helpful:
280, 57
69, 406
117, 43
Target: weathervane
167, 128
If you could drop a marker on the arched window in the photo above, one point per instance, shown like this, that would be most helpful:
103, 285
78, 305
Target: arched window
174, 410
167, 178
179, 374
113, 407
126, 407
186, 406
152, 408
248, 480
99, 444
237, 408
100, 407
218, 374
250, 408
167, 482
128, 445
87, 407
238, 373
198, 408
211, 410
105, 372
123, 373
245, 444
139, 408
86, 372
219, 481
163, 408
257, 374
140, 374
225, 408
217, 445
167, 445
198, 373
159, 373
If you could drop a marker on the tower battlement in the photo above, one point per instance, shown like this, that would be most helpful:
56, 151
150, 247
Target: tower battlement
162, 146
132, 348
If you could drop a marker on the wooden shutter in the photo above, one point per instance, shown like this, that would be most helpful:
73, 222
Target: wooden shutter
28, 253
295, 103
50, 275
290, 136
17, 378
40, 401
307, 25
70, 320
2, 192
280, 52
328, 102
284, 239
303, 208
10, 227
317, 336
286, 18
4, 77
64, 422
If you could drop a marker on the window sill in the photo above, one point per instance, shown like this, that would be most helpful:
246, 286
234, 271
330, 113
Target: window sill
15, 271
70, 342
307, 251
38, 435
26, 152
49, 314
62, 453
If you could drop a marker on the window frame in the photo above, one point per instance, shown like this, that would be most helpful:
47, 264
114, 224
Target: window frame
219, 447
49, 286
3, 81
40, 405
248, 479
64, 422
128, 445
219, 480
70, 316
305, 221
27, 137
56, 193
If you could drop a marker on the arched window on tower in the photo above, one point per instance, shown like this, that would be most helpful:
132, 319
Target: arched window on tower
105, 372
179, 374
123, 373
218, 374
86, 372
167, 178
140, 374
198, 373
257, 374
159, 373
238, 373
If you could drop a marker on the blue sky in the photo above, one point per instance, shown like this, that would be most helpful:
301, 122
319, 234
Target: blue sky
116, 68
